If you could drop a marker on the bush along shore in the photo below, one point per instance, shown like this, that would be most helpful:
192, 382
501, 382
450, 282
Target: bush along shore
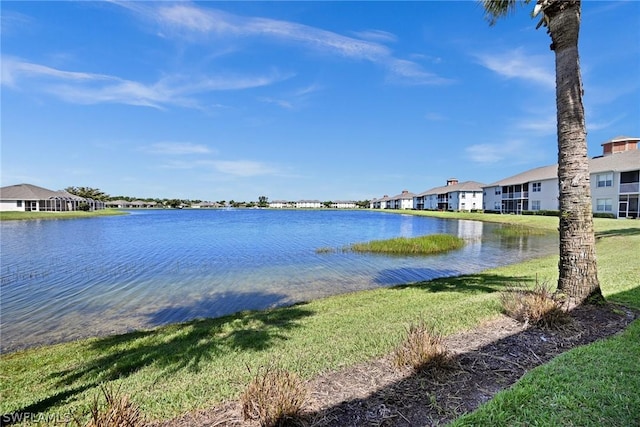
171, 374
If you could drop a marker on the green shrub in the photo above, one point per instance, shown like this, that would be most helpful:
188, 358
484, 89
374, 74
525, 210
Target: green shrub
604, 215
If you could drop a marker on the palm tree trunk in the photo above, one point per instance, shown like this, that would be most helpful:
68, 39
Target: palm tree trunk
578, 276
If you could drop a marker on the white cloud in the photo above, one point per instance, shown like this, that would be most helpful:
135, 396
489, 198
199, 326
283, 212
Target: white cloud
190, 21
540, 126
514, 151
516, 64
177, 148
89, 88
376, 35
243, 168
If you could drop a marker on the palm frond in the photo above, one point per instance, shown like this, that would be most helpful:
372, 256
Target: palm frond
496, 9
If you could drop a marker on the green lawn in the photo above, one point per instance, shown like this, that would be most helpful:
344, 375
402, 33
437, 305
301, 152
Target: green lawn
12, 216
179, 368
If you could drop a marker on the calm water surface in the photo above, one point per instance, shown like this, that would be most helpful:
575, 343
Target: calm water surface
69, 279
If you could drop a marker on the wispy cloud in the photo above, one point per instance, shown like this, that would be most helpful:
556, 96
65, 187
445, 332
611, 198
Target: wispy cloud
515, 151
539, 125
190, 21
90, 88
229, 168
517, 64
244, 168
177, 148
376, 35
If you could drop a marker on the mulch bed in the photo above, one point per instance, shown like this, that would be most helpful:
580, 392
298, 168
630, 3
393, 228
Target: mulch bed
486, 360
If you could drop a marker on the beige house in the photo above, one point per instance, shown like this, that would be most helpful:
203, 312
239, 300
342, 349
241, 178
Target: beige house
28, 197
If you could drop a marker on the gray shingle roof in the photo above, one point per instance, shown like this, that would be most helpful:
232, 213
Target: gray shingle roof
618, 162
29, 192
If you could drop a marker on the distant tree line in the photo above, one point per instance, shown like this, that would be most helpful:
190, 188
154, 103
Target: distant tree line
263, 201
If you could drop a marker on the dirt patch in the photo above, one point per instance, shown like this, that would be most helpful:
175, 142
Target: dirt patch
488, 359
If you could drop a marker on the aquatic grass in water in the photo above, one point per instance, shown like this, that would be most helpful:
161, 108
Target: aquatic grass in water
519, 230
422, 245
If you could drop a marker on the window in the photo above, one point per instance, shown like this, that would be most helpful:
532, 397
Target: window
536, 187
535, 205
18, 203
604, 205
463, 195
462, 205
498, 192
604, 180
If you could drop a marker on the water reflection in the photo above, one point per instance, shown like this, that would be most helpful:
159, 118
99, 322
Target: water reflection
64, 280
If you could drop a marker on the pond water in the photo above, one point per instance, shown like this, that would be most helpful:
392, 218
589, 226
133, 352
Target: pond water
69, 279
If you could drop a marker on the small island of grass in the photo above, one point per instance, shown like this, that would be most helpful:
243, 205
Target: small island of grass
421, 245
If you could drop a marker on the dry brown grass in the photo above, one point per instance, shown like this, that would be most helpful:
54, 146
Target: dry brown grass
274, 397
422, 349
118, 411
535, 306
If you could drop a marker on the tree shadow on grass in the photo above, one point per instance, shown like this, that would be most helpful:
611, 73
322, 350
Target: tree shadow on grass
174, 347
470, 283
629, 298
438, 396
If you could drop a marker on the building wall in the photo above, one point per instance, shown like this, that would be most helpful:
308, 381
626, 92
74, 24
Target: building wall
547, 196
11, 206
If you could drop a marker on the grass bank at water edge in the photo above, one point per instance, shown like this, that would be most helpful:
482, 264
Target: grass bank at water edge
179, 368
13, 216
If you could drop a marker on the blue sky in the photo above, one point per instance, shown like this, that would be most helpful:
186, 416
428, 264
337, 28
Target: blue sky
295, 100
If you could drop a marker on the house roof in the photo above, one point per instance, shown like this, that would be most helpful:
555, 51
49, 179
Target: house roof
30, 192
621, 138
618, 162
462, 186
402, 196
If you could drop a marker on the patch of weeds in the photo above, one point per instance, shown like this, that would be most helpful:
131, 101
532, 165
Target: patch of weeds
537, 306
274, 397
325, 250
422, 349
117, 411
514, 230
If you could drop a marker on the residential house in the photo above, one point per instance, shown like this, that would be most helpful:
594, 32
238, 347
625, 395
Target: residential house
344, 204
614, 179
280, 204
455, 196
403, 201
206, 205
28, 197
381, 203
308, 204
136, 204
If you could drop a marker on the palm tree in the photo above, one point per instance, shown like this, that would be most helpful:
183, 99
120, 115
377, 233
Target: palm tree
578, 276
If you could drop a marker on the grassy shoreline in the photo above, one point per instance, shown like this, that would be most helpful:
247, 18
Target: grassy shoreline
24, 216
183, 367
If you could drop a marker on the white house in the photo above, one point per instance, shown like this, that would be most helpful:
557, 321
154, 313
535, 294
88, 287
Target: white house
28, 197
381, 203
280, 204
403, 200
455, 196
308, 204
344, 204
614, 179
